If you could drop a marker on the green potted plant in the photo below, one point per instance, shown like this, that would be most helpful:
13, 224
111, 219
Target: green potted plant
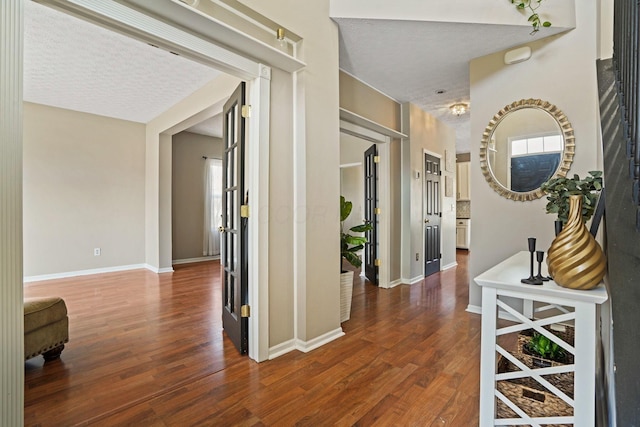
530, 6
542, 346
349, 246
559, 189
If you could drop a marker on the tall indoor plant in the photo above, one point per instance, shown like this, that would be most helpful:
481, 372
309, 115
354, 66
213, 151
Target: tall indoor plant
350, 245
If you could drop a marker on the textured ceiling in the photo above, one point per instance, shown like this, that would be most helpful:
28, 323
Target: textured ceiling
409, 61
72, 64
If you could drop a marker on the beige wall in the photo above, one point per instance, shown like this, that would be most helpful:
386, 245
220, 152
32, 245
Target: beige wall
316, 272
158, 132
367, 102
83, 189
562, 71
352, 188
425, 133
352, 178
395, 166
187, 191
281, 211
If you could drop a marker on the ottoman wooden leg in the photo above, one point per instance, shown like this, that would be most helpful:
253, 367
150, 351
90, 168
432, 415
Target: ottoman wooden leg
53, 354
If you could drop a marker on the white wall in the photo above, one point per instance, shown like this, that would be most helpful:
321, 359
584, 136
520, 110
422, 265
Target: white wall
562, 71
83, 189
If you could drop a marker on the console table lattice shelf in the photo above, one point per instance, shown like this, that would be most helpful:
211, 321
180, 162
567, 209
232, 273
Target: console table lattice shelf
543, 305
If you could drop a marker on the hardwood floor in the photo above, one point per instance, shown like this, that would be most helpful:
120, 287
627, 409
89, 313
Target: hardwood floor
148, 350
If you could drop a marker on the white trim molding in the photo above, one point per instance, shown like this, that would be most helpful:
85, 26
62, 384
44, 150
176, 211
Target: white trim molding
448, 266
158, 270
305, 346
192, 260
11, 288
66, 274
414, 280
395, 283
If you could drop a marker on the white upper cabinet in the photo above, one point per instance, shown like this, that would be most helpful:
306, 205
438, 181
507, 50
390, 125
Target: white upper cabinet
462, 181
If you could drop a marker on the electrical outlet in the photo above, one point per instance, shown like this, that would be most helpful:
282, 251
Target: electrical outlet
96, 251
417, 256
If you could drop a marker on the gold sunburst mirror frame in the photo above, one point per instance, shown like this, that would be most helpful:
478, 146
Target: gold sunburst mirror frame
568, 149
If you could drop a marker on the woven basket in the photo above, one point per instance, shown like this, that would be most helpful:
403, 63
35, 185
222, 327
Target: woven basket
534, 403
563, 382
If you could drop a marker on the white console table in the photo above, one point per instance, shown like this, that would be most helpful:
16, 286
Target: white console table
579, 307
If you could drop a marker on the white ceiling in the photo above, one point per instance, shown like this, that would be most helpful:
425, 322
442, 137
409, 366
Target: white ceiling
76, 65
72, 64
410, 60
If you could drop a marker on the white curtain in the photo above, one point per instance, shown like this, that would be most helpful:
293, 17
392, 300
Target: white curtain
212, 206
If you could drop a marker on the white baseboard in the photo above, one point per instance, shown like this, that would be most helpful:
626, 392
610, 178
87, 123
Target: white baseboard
307, 346
304, 346
282, 348
448, 266
476, 309
415, 280
159, 270
395, 283
41, 277
199, 259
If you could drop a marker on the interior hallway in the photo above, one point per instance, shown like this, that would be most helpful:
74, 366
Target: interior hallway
148, 350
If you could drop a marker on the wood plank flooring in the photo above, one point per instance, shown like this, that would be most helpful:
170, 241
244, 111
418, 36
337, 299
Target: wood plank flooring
148, 350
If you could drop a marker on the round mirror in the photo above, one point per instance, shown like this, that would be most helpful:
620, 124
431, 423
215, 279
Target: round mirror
525, 144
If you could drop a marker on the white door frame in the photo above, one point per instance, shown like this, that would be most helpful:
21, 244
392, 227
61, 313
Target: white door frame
384, 194
124, 19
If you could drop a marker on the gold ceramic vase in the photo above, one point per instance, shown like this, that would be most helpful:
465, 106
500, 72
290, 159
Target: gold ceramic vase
575, 259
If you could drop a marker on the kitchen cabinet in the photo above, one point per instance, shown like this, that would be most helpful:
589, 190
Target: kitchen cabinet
462, 181
463, 232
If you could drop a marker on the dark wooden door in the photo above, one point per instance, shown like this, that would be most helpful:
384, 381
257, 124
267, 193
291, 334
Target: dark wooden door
432, 214
370, 213
233, 236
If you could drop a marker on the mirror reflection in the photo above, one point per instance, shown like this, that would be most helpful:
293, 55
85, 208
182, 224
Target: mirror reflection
525, 144
525, 149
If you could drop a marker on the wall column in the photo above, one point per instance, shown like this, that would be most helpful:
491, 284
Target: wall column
11, 291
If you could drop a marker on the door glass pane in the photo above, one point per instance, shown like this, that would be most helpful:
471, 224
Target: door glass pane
236, 267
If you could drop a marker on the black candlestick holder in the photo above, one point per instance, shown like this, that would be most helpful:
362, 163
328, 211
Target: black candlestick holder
539, 258
531, 280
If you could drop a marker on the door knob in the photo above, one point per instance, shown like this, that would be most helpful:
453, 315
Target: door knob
221, 229
426, 221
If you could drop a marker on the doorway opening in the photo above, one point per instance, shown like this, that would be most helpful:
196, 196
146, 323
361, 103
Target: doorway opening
364, 180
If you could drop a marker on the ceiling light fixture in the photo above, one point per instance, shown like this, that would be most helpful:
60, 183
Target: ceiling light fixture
459, 108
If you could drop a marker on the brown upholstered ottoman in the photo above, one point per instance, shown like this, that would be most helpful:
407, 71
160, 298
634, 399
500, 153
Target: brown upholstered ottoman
46, 327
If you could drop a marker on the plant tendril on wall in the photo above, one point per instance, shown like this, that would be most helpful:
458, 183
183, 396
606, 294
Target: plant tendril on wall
531, 6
